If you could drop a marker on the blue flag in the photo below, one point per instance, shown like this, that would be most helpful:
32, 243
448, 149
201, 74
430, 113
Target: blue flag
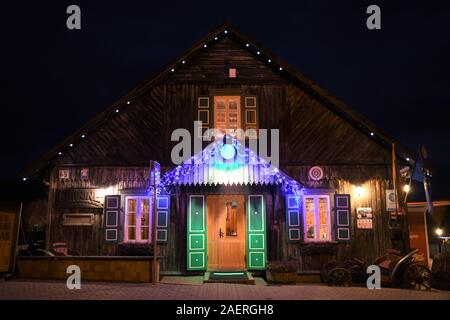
417, 173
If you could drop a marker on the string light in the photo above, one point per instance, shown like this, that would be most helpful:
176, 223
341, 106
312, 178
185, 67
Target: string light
117, 110
183, 62
128, 102
205, 45
258, 53
407, 159
24, 179
281, 69
83, 136
184, 174
269, 61
215, 38
60, 153
173, 70
247, 45
71, 145
226, 31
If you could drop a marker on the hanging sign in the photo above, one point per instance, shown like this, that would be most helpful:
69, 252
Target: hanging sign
390, 200
364, 218
64, 174
315, 173
84, 174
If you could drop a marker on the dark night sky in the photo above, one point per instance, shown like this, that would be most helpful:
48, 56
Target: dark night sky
53, 80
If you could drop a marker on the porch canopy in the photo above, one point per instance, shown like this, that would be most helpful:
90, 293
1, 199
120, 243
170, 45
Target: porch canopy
225, 162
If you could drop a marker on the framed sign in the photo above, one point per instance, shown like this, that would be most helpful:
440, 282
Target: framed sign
390, 200
78, 219
364, 218
64, 174
84, 174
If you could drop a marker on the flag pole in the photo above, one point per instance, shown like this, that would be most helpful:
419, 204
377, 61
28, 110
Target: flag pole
153, 167
394, 180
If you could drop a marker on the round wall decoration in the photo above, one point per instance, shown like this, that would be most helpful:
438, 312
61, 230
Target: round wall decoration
315, 173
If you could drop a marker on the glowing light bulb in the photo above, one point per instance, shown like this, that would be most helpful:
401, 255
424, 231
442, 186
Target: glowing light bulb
359, 191
406, 188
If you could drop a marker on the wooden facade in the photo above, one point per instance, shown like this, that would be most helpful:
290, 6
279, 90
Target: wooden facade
316, 129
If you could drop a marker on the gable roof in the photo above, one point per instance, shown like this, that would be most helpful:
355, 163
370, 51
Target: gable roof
271, 60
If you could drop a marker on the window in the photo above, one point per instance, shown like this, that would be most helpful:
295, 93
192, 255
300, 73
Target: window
227, 114
137, 220
231, 219
316, 211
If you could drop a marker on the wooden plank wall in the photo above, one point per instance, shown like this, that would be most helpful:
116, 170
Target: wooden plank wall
310, 132
366, 244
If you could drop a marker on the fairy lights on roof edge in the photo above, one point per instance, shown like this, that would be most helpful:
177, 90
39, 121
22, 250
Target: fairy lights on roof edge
271, 174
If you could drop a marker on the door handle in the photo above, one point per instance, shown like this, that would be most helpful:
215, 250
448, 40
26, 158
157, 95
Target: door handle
220, 233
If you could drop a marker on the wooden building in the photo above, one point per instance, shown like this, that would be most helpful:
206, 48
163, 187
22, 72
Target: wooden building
329, 198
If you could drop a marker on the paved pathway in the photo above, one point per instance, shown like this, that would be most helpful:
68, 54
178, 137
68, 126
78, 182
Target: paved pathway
57, 290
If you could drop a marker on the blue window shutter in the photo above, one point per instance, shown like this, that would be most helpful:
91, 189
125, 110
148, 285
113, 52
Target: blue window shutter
342, 218
163, 218
111, 218
294, 223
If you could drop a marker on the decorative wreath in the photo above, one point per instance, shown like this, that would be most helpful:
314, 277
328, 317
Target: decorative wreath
315, 173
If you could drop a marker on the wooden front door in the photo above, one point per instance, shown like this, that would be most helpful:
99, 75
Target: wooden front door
226, 232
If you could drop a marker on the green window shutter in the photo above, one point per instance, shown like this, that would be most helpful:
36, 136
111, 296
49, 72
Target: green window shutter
111, 218
294, 223
256, 233
163, 218
342, 218
196, 233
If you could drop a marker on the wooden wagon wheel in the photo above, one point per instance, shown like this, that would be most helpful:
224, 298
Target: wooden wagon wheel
339, 277
417, 277
325, 270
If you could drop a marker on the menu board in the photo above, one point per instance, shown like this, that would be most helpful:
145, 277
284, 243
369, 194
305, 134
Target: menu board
364, 218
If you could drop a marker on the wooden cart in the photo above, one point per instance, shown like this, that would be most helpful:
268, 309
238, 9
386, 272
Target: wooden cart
397, 270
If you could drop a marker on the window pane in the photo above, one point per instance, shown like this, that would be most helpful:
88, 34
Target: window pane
131, 233
131, 218
323, 232
132, 205
221, 105
131, 214
144, 233
323, 217
310, 218
231, 222
322, 210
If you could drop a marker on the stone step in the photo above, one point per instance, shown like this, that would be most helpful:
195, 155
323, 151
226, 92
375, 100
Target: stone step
228, 278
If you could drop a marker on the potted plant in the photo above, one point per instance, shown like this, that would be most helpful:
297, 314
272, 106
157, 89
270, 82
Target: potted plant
282, 272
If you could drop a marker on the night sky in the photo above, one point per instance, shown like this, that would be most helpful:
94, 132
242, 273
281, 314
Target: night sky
54, 80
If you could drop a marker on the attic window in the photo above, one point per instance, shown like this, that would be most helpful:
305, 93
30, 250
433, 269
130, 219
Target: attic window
232, 73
